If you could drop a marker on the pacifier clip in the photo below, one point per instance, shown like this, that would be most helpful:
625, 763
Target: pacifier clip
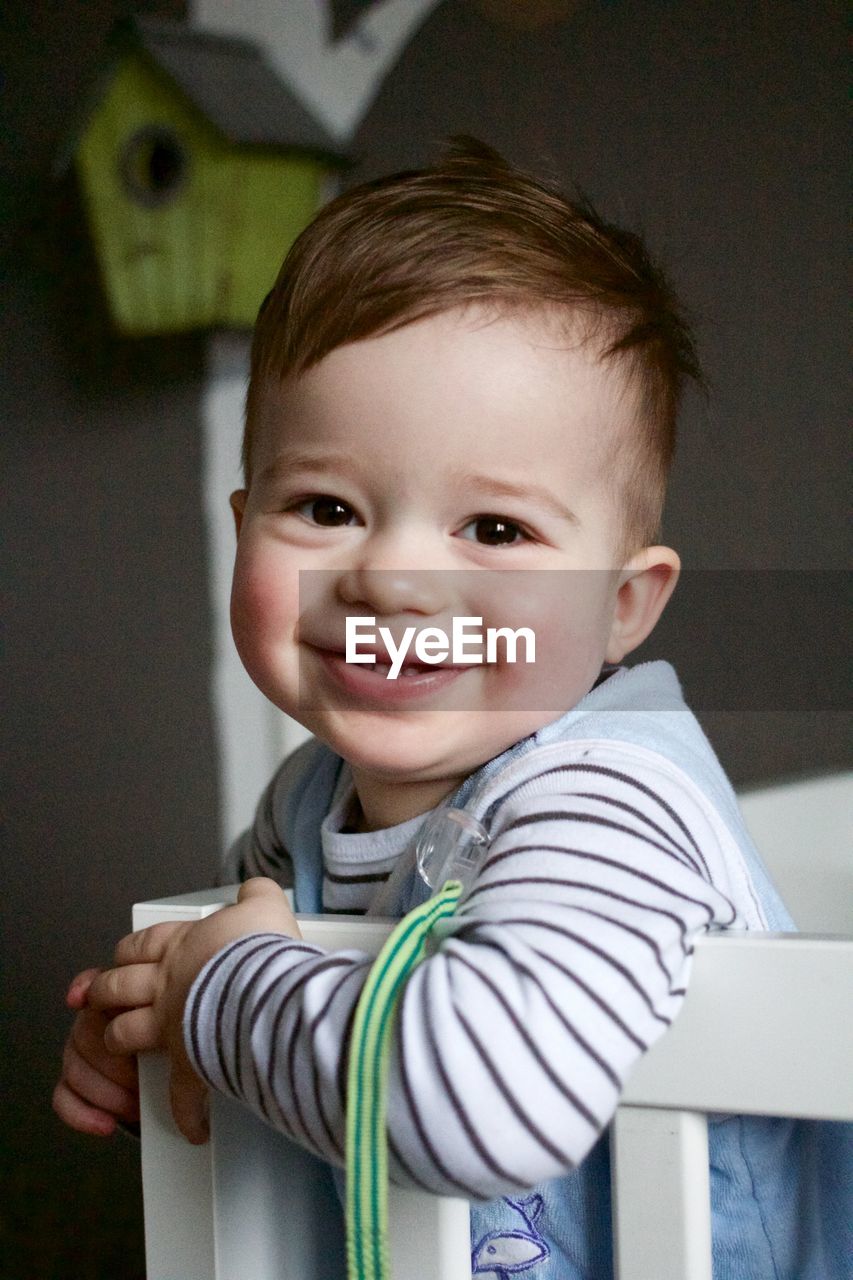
449, 850
367, 1081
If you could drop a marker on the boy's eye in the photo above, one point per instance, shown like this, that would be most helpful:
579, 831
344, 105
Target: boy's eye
494, 531
327, 511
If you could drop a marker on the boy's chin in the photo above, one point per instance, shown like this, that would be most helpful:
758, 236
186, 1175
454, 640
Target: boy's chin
440, 745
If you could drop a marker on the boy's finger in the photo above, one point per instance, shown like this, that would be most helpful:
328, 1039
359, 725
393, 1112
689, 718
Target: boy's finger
96, 1089
78, 1115
75, 997
134, 1032
263, 896
147, 946
259, 887
87, 1036
190, 1103
124, 988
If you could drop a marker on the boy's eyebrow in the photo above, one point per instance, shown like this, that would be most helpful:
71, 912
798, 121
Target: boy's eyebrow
510, 489
331, 460
292, 459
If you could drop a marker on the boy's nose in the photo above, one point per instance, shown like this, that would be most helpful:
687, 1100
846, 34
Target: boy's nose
386, 591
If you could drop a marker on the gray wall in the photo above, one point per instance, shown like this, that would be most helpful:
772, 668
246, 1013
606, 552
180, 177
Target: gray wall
716, 128
108, 744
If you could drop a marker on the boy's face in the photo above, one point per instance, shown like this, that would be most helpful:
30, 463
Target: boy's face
409, 472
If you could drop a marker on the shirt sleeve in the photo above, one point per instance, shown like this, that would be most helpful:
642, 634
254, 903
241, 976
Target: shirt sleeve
260, 850
568, 959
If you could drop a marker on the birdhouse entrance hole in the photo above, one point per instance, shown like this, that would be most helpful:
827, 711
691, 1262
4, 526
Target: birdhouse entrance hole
154, 165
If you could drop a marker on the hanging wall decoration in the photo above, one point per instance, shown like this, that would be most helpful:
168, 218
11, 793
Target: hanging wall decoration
198, 168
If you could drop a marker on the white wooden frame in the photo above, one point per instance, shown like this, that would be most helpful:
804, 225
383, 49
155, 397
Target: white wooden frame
765, 1030
242, 1207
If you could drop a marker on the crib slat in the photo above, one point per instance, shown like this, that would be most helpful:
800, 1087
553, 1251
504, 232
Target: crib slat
250, 1203
662, 1197
177, 1186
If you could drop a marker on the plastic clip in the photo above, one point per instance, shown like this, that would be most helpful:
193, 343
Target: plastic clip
450, 846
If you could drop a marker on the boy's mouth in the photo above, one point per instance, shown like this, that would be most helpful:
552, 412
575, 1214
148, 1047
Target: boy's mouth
372, 680
407, 670
381, 664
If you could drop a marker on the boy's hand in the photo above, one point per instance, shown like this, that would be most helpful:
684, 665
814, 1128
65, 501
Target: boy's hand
156, 968
97, 1087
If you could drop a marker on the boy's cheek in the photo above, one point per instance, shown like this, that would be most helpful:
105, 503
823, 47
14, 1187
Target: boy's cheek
264, 614
264, 594
571, 631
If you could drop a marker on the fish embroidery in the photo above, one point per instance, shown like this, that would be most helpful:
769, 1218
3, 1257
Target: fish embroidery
505, 1253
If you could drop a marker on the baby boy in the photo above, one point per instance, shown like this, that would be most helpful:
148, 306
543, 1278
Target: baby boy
462, 406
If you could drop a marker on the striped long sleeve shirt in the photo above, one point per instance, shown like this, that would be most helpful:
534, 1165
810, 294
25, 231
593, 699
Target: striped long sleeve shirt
568, 959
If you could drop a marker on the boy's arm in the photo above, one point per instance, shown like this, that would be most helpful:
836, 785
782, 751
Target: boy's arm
154, 970
569, 959
260, 850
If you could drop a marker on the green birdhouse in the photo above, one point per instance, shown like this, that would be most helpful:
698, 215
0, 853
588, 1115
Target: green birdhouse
198, 169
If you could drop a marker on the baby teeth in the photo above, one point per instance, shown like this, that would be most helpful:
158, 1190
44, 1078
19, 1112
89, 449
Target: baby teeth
383, 668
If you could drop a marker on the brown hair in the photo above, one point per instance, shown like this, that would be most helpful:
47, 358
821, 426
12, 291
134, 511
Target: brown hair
473, 229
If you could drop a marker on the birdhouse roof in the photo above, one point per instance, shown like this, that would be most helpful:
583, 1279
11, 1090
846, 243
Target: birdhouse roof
230, 82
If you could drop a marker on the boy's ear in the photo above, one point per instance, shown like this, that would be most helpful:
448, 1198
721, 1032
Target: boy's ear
238, 506
645, 585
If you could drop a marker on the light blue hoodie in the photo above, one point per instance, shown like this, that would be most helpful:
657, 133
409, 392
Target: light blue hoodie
781, 1190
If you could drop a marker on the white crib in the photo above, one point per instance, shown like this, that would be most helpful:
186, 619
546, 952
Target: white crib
765, 1030
245, 1205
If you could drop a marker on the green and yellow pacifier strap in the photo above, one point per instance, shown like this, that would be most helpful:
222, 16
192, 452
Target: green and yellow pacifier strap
366, 1139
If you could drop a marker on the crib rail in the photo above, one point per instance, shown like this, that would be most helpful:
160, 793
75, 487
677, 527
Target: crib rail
765, 1029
